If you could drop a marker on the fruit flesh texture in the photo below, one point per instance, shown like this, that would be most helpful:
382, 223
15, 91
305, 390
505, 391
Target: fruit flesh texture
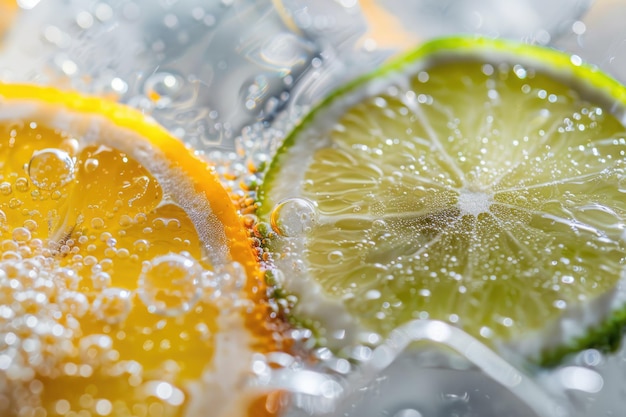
485, 195
79, 226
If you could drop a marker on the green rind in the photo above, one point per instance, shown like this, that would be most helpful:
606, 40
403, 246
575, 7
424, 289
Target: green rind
605, 337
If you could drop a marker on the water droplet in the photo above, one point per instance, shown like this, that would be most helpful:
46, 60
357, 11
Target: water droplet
170, 284
93, 348
21, 234
6, 188
293, 217
407, 412
163, 88
254, 91
103, 12
112, 305
97, 223
90, 165
590, 357
379, 225
335, 256
455, 398
101, 280
27, 4
164, 391
74, 303
84, 19
285, 51
21, 184
103, 407
230, 278
50, 168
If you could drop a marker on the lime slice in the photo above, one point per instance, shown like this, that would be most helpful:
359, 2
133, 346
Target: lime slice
476, 181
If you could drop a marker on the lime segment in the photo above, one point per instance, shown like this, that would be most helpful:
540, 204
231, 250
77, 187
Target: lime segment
463, 183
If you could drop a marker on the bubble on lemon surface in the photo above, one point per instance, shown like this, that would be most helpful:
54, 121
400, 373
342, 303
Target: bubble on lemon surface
293, 217
231, 278
91, 164
100, 280
170, 284
50, 168
34, 297
112, 305
163, 391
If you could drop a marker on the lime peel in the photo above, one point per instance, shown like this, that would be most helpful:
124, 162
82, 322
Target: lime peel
331, 305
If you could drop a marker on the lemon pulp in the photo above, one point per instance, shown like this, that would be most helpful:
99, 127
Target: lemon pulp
128, 286
474, 181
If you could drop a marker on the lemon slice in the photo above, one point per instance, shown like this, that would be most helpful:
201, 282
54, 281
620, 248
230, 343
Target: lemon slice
128, 284
476, 181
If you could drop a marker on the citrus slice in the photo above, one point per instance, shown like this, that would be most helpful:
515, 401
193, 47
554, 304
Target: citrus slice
475, 181
128, 283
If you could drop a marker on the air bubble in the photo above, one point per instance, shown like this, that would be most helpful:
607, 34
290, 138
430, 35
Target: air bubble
93, 348
21, 184
230, 278
407, 412
162, 88
165, 391
293, 217
97, 223
254, 91
112, 305
21, 234
50, 168
379, 225
335, 256
67, 278
103, 12
74, 303
6, 188
90, 165
84, 19
169, 285
101, 280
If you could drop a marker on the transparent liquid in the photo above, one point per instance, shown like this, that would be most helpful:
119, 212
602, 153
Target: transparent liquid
231, 77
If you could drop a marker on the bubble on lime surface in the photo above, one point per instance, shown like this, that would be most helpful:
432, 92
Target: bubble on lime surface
170, 284
293, 217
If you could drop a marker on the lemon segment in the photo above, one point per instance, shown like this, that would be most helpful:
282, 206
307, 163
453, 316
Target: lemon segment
474, 181
128, 284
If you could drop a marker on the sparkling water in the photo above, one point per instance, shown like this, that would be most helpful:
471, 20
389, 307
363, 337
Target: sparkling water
230, 78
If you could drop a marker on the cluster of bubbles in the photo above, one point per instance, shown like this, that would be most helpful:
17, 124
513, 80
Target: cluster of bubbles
48, 290
42, 306
195, 107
